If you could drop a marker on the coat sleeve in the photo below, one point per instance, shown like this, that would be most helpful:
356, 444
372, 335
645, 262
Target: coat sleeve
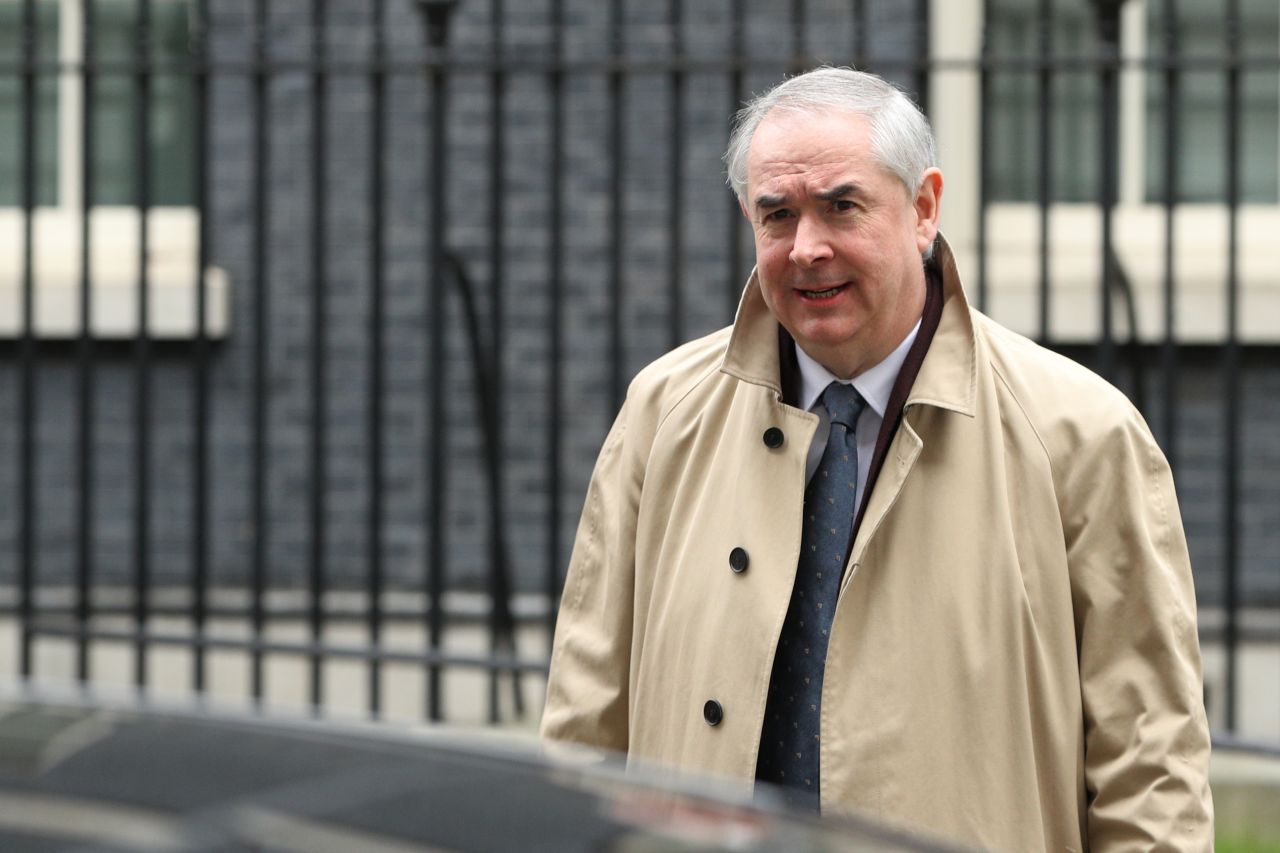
588, 685
1146, 734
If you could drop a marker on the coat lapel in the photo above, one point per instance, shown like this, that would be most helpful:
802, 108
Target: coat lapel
947, 380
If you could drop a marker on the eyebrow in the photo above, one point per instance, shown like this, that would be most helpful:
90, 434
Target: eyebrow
770, 200
836, 192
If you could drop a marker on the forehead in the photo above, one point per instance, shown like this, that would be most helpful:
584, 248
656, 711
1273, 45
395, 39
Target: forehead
789, 147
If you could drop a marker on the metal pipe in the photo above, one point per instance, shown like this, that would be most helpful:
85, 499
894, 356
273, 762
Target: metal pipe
319, 342
501, 622
502, 619
1169, 348
436, 14
675, 192
439, 376
1045, 139
922, 18
142, 343
84, 353
27, 348
617, 219
261, 350
556, 327
985, 104
200, 419
534, 64
738, 93
377, 351
1231, 366
798, 40
204, 642
1108, 22
860, 34
346, 611
494, 415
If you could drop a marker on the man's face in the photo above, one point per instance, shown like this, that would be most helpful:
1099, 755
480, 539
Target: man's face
838, 238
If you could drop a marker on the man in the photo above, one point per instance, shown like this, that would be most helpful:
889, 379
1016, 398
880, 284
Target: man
872, 547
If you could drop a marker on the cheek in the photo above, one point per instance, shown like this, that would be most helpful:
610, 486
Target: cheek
770, 244
773, 286
773, 255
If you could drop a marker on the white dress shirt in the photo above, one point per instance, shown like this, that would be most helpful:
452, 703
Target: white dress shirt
875, 386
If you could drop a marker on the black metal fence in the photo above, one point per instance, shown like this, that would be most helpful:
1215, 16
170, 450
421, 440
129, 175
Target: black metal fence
453, 231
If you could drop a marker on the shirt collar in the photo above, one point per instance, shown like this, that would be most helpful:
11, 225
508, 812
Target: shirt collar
875, 385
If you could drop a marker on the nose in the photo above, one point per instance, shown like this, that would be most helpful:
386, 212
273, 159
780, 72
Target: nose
810, 245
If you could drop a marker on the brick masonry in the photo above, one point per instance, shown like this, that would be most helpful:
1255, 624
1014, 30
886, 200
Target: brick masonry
705, 209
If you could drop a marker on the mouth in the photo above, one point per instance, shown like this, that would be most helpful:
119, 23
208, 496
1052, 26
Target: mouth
819, 295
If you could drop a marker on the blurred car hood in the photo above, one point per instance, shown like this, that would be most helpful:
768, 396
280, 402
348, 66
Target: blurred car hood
81, 773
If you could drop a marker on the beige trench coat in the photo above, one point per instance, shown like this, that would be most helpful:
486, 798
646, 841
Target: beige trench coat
1013, 662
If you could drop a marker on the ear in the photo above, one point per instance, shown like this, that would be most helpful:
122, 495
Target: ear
742, 205
928, 207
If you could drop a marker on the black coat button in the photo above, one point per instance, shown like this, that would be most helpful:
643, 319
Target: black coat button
738, 560
773, 438
712, 712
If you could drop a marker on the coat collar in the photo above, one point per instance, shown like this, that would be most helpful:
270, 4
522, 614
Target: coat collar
947, 378
756, 341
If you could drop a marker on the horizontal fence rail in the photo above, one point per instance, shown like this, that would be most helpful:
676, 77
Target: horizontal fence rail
388, 267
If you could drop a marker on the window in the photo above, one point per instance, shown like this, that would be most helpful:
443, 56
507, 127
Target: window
1017, 31
1202, 158
1014, 32
11, 117
59, 114
1013, 36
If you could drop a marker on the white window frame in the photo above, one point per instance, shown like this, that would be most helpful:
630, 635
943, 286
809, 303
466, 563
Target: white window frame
172, 231
1013, 249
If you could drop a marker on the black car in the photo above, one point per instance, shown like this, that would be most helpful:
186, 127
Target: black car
79, 774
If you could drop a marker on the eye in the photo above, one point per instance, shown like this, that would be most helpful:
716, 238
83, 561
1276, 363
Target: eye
843, 205
779, 215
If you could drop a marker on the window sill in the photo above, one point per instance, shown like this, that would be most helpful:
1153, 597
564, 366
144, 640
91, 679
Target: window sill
1138, 234
173, 235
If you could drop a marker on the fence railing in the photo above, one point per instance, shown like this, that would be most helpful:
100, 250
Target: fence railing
388, 266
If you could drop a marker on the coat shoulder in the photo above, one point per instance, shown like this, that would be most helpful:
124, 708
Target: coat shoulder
1065, 403
1048, 386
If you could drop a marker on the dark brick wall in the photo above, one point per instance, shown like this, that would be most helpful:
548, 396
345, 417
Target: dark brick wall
585, 239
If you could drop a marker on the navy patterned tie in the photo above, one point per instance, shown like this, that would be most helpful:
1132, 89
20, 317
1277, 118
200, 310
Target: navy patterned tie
789, 739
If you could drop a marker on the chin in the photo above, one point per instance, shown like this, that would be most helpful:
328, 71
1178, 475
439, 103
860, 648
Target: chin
826, 335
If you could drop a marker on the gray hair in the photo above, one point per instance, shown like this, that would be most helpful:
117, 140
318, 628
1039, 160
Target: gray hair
901, 139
